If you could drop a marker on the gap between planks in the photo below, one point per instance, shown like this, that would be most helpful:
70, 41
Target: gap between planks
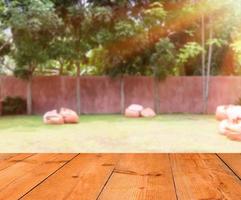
82, 178
21, 176
48, 176
212, 166
233, 162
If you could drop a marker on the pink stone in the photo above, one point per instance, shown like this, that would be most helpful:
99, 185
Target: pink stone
223, 127
134, 110
135, 107
148, 112
232, 129
52, 117
132, 113
234, 136
221, 113
234, 113
69, 115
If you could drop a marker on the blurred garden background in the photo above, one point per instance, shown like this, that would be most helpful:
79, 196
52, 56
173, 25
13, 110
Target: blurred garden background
99, 57
118, 38
135, 37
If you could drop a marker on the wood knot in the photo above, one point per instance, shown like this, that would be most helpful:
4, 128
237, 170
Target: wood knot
107, 164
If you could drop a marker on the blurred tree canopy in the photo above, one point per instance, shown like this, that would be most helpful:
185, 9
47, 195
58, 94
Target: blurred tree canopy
113, 37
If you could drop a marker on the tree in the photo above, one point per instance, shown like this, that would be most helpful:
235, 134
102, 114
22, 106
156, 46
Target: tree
233, 17
189, 51
236, 46
5, 48
207, 63
33, 25
110, 37
79, 26
5, 44
163, 63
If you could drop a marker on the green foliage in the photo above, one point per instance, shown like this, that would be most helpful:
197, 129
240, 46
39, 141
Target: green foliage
104, 36
5, 46
14, 106
34, 25
22, 72
5, 49
236, 46
98, 58
163, 59
58, 35
135, 65
102, 14
218, 42
189, 50
155, 14
124, 29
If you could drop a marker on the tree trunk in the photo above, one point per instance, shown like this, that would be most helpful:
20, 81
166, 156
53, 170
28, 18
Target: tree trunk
210, 53
61, 68
29, 96
203, 60
78, 89
122, 94
0, 87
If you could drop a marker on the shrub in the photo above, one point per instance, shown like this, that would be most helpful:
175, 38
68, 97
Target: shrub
14, 106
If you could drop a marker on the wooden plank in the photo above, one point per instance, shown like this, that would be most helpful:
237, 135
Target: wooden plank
203, 176
5, 156
233, 161
141, 177
82, 178
16, 180
8, 160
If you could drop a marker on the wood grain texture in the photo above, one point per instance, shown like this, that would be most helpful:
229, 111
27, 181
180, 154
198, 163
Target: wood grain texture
19, 178
120, 176
7, 160
203, 176
83, 178
233, 161
6, 156
141, 177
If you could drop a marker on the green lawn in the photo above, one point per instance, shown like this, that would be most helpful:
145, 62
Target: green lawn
114, 133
